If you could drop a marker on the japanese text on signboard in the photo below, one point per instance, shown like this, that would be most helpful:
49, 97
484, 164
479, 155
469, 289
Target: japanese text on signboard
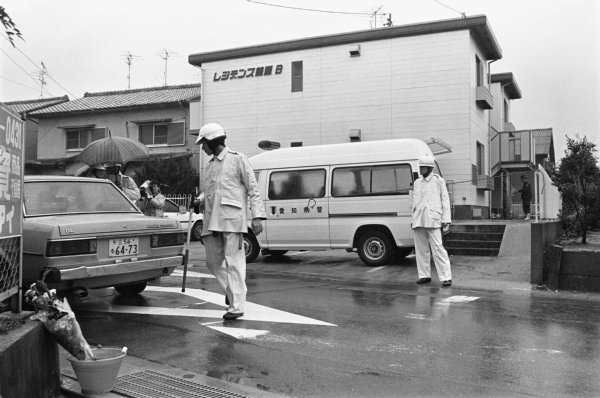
11, 157
248, 72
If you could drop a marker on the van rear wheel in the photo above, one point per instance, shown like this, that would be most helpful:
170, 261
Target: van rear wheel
375, 248
131, 290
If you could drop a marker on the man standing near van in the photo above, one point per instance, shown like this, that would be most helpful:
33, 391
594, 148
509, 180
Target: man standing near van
228, 183
430, 206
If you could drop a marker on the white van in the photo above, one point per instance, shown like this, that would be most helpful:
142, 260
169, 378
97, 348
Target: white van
353, 196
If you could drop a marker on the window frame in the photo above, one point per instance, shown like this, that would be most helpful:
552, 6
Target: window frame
79, 130
297, 172
371, 168
297, 75
154, 134
480, 71
480, 158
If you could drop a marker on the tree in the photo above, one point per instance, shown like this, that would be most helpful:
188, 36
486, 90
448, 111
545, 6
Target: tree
578, 181
175, 176
9, 26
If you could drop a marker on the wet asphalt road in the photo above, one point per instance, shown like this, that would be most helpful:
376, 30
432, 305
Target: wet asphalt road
357, 340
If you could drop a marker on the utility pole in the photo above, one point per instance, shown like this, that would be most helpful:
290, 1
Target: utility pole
166, 58
42, 78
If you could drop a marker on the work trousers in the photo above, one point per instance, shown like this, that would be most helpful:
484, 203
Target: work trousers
428, 241
226, 260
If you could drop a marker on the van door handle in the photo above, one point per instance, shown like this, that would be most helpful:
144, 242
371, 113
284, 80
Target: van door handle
273, 210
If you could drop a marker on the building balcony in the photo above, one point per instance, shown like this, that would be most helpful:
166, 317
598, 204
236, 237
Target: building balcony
484, 98
512, 150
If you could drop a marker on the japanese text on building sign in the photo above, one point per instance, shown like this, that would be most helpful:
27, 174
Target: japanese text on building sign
11, 157
249, 72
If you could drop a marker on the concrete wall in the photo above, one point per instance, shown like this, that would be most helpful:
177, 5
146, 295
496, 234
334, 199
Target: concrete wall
29, 365
580, 270
419, 86
543, 235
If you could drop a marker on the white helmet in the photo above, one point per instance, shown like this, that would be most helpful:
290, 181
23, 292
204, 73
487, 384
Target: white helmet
426, 161
210, 131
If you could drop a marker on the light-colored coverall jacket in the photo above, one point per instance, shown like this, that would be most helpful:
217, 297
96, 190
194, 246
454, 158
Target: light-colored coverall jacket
430, 202
228, 182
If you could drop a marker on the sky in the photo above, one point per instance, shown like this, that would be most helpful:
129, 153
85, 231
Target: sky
552, 47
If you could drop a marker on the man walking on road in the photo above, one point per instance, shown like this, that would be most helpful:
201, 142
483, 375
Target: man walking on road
228, 183
430, 206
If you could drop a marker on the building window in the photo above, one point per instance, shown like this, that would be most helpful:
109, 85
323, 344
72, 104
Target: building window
297, 76
162, 134
79, 138
480, 159
297, 143
514, 149
480, 74
506, 118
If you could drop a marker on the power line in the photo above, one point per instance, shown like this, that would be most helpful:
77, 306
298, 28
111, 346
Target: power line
20, 67
35, 64
310, 9
450, 8
20, 84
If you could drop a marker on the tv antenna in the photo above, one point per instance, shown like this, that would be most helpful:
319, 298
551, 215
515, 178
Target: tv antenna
166, 55
129, 61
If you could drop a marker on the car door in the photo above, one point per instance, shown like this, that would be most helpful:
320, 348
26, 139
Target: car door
297, 209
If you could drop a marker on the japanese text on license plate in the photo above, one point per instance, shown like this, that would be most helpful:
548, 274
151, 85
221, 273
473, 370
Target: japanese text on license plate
123, 247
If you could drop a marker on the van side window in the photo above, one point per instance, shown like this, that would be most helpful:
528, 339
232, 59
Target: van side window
297, 184
372, 180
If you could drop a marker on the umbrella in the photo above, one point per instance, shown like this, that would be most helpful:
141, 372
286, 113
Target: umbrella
112, 150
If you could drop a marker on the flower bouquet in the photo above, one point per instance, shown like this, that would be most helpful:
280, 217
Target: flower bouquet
59, 319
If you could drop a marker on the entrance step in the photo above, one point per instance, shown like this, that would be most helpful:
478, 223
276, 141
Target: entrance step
474, 239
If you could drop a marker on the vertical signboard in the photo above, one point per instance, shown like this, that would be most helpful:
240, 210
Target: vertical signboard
12, 130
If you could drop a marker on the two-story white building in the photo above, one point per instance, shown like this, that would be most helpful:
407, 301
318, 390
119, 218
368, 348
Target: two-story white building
426, 80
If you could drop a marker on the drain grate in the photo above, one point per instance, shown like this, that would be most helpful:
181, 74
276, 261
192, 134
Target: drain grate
149, 384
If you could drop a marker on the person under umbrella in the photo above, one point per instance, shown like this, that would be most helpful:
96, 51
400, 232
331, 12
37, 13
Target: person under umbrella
125, 183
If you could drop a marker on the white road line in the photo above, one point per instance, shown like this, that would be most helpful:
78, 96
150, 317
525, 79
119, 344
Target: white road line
179, 272
440, 309
295, 254
377, 268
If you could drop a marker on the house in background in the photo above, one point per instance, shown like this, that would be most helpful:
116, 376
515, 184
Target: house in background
428, 80
25, 108
516, 152
157, 117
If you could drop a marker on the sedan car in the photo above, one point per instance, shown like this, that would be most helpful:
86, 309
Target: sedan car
181, 214
83, 233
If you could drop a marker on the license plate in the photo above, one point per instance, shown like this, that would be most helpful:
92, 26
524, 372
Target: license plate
123, 247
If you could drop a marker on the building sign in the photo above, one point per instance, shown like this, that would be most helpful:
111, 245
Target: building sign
249, 72
12, 131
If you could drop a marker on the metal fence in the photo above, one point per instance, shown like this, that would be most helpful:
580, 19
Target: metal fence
10, 255
180, 200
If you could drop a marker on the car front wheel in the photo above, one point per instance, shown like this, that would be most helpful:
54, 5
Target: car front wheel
196, 231
375, 248
131, 290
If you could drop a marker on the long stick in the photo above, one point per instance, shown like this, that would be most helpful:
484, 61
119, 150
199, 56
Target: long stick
186, 255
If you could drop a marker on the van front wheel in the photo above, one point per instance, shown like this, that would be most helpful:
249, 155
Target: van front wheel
251, 247
375, 248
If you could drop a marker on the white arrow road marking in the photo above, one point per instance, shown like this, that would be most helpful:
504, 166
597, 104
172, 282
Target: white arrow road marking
252, 312
240, 333
440, 309
179, 272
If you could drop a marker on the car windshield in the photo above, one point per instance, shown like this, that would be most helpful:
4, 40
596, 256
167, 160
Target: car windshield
73, 197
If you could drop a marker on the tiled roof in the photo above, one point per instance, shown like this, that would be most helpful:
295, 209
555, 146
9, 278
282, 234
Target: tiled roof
118, 100
33, 105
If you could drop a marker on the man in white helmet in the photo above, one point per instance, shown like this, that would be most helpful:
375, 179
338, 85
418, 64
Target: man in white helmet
430, 207
228, 183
